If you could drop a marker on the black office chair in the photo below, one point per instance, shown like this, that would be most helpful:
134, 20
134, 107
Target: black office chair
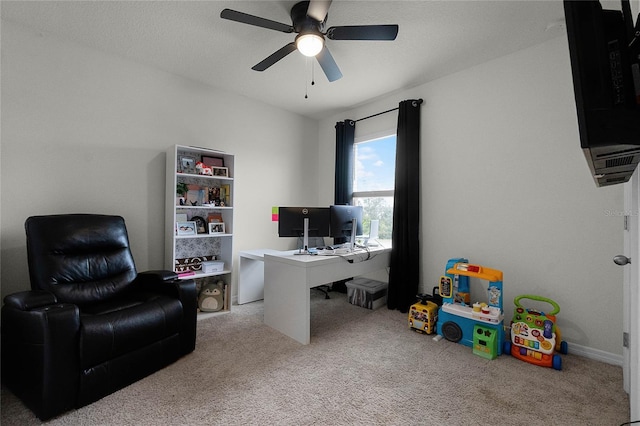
316, 242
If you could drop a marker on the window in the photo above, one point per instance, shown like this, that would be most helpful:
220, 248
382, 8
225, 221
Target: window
373, 182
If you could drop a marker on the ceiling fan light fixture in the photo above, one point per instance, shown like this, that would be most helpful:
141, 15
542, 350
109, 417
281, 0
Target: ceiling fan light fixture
309, 44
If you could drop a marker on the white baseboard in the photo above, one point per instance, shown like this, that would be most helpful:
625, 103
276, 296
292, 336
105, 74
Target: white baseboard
596, 354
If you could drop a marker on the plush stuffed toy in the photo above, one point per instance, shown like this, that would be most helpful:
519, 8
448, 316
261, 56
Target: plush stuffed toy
211, 298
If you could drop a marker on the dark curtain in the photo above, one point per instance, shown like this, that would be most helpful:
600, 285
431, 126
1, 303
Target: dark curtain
404, 272
345, 134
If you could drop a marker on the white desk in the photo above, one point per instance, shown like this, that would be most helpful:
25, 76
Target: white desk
251, 275
288, 279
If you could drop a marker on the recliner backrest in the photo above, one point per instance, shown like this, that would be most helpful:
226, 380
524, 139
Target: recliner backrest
81, 258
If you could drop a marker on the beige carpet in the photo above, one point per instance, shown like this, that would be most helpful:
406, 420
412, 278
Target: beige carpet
362, 367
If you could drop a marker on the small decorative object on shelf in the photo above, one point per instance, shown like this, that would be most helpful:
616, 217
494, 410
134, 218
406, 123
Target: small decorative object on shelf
203, 169
181, 193
192, 264
199, 218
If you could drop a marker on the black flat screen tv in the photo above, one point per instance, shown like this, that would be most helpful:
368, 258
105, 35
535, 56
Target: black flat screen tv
606, 82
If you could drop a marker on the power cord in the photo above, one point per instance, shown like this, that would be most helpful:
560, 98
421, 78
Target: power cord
369, 257
630, 423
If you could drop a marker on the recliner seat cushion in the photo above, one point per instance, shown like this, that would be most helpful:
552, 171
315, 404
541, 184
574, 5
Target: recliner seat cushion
113, 328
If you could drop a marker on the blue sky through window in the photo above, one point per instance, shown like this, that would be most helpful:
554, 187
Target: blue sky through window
375, 164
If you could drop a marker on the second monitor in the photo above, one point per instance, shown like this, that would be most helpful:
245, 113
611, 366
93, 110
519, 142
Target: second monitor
345, 223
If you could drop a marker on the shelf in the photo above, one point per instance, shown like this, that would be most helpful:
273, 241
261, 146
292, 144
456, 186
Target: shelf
206, 207
203, 275
186, 237
192, 175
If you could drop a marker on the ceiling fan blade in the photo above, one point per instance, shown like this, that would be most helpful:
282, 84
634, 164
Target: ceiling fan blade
363, 32
275, 57
318, 9
245, 18
328, 65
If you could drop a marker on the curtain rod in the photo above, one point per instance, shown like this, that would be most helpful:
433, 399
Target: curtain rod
384, 112
375, 115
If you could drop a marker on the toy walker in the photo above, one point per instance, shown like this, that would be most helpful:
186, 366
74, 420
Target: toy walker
535, 337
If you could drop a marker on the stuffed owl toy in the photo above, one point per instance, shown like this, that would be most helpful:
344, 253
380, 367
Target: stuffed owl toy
211, 298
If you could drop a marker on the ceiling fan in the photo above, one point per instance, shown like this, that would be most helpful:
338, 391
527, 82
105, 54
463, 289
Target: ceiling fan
309, 19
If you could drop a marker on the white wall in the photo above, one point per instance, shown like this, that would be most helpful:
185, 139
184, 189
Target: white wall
85, 131
505, 184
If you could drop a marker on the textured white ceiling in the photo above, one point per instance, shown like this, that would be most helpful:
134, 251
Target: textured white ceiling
189, 38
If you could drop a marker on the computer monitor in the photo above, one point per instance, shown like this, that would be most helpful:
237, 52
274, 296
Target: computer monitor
346, 222
303, 222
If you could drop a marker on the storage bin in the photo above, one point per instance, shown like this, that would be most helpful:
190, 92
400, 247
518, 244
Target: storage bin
212, 266
367, 293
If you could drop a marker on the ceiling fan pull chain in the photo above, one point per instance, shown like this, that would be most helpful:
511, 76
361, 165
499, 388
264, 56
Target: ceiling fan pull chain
306, 86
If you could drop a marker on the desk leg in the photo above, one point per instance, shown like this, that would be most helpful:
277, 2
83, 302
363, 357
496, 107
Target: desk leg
287, 300
250, 280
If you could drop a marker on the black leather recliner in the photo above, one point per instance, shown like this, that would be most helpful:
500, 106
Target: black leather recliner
91, 324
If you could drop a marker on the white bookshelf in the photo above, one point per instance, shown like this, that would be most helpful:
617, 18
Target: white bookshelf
210, 198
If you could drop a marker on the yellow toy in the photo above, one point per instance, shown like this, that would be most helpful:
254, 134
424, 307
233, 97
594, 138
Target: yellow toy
423, 315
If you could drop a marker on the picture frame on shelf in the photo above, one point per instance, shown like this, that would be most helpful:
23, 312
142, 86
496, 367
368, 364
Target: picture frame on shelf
196, 196
225, 195
214, 217
216, 228
187, 164
186, 228
220, 171
213, 161
214, 195
201, 224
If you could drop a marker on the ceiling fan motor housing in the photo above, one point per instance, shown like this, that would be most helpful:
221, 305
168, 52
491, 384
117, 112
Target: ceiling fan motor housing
303, 23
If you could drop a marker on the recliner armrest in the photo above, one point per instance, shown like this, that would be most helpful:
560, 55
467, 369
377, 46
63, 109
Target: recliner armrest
32, 299
183, 290
161, 275
40, 359
160, 282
